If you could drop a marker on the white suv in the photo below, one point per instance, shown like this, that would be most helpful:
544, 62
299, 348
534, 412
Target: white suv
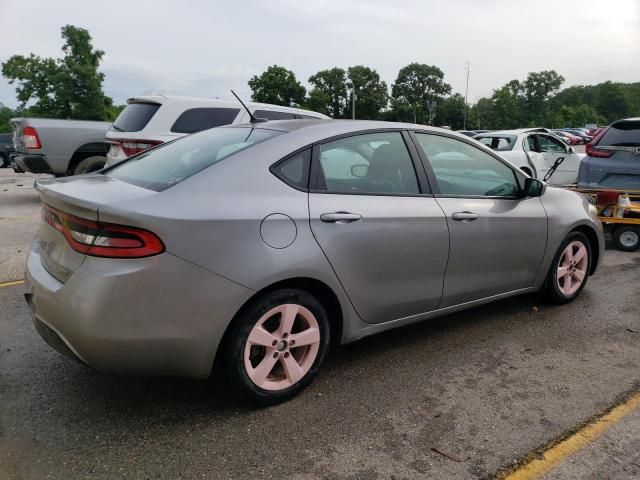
150, 120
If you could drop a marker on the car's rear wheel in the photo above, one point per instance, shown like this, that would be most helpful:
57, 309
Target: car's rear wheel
627, 237
570, 269
276, 346
90, 164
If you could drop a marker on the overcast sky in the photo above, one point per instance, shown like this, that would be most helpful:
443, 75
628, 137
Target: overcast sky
204, 48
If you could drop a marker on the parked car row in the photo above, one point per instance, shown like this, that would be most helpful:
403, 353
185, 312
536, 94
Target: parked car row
72, 147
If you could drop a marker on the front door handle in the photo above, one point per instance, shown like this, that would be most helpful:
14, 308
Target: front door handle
465, 216
340, 217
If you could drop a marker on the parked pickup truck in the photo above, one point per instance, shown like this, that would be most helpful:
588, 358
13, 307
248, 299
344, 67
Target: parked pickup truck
61, 147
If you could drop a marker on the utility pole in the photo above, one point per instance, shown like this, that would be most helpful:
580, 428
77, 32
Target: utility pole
467, 67
353, 102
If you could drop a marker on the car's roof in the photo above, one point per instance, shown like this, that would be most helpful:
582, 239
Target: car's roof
337, 127
162, 99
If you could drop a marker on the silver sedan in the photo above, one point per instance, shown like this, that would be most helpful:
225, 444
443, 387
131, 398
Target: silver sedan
258, 246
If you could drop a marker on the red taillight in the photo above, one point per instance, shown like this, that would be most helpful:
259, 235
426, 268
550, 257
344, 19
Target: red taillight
131, 147
103, 239
30, 138
592, 148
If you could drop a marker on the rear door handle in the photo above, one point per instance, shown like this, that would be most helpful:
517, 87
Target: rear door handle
340, 217
465, 216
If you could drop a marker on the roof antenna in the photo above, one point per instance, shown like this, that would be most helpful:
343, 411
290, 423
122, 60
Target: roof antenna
254, 119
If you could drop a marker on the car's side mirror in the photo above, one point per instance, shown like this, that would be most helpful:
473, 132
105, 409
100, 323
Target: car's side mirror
534, 187
571, 150
359, 170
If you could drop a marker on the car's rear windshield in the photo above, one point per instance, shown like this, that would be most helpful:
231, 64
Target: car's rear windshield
170, 164
622, 134
135, 117
500, 143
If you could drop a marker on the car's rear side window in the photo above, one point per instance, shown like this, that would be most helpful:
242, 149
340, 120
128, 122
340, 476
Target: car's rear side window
274, 115
160, 168
500, 143
135, 117
198, 119
295, 170
301, 116
622, 134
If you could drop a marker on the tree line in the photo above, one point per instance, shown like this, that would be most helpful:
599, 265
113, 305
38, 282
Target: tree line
535, 101
71, 87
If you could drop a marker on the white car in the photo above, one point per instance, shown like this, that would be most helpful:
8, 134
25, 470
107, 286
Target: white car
535, 151
148, 121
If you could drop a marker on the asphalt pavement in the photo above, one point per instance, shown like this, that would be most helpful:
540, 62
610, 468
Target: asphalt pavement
464, 396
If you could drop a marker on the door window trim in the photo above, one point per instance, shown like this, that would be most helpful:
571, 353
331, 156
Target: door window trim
431, 175
421, 177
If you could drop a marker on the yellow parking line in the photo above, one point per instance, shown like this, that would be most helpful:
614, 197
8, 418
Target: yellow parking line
555, 454
11, 284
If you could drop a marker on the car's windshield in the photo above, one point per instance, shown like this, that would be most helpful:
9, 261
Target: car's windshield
163, 167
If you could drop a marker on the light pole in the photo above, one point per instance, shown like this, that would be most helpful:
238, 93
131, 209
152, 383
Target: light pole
467, 67
353, 102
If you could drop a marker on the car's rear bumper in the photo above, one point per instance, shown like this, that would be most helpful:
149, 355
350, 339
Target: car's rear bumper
158, 316
34, 163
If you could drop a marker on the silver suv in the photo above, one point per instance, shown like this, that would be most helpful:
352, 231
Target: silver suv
151, 120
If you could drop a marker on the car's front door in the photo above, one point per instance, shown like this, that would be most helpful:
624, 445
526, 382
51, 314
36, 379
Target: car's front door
553, 148
497, 238
378, 225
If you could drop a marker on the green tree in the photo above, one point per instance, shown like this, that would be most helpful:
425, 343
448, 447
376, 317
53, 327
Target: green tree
5, 115
508, 106
416, 85
278, 86
67, 87
330, 87
613, 101
372, 95
451, 111
538, 88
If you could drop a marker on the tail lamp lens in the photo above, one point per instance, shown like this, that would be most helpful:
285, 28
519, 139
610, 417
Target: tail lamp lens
100, 239
30, 138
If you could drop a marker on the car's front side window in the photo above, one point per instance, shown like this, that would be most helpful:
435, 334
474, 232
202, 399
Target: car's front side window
550, 144
464, 170
375, 163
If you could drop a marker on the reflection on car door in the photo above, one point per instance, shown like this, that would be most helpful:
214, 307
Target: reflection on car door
553, 148
385, 237
497, 240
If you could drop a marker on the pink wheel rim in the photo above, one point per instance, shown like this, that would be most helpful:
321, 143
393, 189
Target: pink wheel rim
572, 268
282, 347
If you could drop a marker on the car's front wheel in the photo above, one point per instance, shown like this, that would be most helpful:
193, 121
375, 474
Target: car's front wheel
570, 269
276, 346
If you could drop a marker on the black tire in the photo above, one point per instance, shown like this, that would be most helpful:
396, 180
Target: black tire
90, 164
4, 160
627, 238
551, 291
236, 341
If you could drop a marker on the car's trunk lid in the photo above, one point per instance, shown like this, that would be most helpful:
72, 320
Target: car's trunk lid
79, 197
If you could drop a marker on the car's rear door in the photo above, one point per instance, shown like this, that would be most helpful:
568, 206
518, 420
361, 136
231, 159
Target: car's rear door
497, 238
379, 226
